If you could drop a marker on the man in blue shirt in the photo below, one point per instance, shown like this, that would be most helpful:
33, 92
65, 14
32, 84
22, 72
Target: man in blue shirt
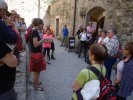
65, 33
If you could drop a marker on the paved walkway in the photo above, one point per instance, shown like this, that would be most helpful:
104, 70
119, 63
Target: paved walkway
58, 78
20, 83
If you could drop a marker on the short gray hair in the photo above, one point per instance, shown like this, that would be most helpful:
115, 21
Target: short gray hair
3, 5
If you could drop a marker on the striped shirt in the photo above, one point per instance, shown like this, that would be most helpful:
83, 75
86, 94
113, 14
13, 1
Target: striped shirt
113, 46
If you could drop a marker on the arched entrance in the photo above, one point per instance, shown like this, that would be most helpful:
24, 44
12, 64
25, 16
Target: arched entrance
96, 15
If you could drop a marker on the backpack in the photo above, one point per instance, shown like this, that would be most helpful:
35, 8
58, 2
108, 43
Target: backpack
107, 91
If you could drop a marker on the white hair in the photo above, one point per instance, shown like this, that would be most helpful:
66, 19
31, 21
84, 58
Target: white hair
3, 5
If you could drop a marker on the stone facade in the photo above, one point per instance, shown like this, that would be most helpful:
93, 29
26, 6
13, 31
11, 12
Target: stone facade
107, 14
61, 11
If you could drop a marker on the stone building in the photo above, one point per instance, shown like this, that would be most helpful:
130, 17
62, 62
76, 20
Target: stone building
106, 14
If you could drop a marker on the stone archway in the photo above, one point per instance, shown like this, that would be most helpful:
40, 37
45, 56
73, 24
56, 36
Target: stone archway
97, 15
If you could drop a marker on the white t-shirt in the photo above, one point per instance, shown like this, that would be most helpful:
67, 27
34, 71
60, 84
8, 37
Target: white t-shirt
105, 40
83, 36
119, 69
100, 40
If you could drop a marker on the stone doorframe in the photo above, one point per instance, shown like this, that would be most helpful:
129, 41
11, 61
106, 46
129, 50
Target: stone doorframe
95, 13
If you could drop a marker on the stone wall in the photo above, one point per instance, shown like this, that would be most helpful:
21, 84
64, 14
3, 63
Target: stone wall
123, 19
63, 11
118, 14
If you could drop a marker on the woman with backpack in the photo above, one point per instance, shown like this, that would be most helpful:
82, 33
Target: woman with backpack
125, 77
97, 55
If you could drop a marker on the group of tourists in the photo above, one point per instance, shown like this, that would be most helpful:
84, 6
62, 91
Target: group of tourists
102, 50
9, 45
14, 35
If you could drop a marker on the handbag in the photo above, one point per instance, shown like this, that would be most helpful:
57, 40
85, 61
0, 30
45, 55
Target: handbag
37, 62
36, 58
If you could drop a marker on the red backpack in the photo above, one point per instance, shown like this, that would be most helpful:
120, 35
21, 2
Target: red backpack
107, 90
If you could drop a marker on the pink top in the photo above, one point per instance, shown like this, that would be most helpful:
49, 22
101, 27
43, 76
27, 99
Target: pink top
90, 29
47, 40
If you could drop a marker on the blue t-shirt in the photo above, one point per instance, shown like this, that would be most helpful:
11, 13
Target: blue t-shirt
65, 32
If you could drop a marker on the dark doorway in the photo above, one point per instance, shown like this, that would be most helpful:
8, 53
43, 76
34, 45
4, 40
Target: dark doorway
100, 23
96, 15
57, 27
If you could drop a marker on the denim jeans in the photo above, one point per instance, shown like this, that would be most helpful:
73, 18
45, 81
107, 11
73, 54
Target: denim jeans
109, 62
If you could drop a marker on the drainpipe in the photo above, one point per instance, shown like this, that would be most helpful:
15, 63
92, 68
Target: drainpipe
74, 21
38, 8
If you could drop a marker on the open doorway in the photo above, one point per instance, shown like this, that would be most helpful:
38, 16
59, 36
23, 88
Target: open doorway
57, 27
97, 16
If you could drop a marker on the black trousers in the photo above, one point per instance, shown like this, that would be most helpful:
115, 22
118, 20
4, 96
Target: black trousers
121, 98
46, 50
83, 44
52, 46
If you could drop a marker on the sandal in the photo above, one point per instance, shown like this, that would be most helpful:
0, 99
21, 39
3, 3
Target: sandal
38, 88
35, 88
39, 83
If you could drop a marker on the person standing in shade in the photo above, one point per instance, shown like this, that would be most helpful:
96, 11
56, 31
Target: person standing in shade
65, 33
126, 77
97, 55
83, 42
112, 47
78, 42
8, 60
90, 28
